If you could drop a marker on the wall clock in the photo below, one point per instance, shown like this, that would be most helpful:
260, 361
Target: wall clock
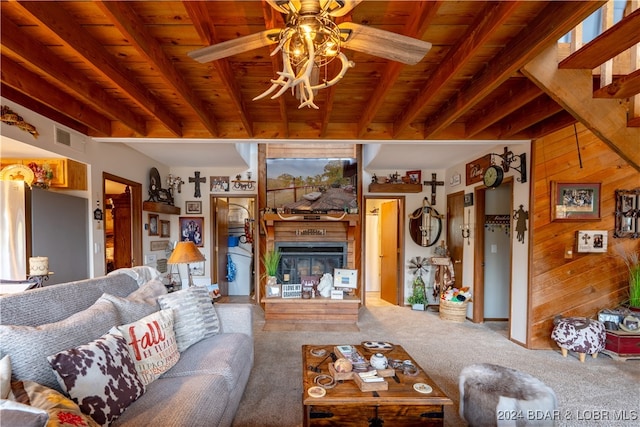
493, 176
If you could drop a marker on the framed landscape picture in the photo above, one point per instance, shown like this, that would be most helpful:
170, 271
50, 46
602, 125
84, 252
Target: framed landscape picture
572, 201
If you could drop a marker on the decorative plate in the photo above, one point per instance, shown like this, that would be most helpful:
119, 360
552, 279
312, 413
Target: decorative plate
377, 345
422, 388
316, 391
17, 173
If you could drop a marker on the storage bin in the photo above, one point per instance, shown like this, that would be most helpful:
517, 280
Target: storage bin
453, 311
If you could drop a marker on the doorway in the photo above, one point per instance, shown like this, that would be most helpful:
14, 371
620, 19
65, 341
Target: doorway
233, 237
123, 222
384, 248
493, 252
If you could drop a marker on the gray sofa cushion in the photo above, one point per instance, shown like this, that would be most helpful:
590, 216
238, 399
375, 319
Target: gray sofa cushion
140, 303
225, 354
190, 401
29, 346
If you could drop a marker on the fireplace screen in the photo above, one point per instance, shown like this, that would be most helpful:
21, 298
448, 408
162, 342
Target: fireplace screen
309, 259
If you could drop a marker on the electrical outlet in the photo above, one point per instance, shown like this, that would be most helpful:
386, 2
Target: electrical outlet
150, 258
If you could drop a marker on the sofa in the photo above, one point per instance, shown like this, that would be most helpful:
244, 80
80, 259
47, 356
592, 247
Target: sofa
205, 379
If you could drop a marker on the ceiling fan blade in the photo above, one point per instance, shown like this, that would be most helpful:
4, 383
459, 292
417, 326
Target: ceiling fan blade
235, 46
384, 44
341, 7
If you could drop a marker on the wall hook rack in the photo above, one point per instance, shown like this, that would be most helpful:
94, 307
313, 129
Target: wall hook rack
508, 158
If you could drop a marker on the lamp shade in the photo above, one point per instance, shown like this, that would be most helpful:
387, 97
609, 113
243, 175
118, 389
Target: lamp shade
184, 253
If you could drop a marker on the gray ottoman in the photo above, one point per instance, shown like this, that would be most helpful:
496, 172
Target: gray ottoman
492, 395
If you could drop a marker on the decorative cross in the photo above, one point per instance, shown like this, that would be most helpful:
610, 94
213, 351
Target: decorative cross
433, 183
197, 180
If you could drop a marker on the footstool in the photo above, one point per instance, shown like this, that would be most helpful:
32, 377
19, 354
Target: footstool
492, 395
579, 334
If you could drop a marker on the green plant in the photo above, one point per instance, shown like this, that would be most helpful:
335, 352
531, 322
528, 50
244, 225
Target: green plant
632, 261
419, 295
271, 260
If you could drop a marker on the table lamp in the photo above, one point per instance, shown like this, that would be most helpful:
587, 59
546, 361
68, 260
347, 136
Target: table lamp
185, 253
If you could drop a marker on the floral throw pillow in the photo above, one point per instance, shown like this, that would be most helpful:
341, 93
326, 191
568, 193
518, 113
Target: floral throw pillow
152, 344
99, 376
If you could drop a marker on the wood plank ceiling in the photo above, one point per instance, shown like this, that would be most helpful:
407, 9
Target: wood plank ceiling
120, 69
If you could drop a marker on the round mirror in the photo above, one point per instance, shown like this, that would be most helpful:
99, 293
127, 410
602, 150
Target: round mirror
425, 226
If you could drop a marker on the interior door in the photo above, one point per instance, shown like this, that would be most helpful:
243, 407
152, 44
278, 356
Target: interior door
121, 211
389, 251
220, 240
455, 220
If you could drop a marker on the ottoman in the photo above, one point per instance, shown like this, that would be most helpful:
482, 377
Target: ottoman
579, 334
492, 395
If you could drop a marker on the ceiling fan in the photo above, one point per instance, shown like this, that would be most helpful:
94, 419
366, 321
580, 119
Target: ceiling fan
310, 40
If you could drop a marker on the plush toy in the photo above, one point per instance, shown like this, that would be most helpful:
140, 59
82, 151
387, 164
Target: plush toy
325, 285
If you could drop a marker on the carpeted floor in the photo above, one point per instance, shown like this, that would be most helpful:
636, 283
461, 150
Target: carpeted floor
599, 392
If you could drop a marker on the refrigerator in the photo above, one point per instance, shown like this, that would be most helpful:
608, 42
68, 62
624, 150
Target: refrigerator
39, 222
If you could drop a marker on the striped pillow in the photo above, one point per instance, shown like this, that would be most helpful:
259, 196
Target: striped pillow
188, 322
209, 315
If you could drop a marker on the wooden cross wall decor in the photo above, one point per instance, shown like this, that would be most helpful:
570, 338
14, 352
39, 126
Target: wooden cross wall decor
433, 183
197, 180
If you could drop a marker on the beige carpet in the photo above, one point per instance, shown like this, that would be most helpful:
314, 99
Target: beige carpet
601, 387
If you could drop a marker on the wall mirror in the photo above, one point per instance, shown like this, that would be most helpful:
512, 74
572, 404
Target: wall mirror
425, 225
627, 213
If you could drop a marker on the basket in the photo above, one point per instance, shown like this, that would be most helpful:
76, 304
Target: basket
453, 311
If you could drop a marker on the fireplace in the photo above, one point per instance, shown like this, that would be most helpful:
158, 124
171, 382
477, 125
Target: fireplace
303, 259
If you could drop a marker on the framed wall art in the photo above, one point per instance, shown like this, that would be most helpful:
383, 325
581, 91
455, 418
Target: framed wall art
159, 245
627, 214
153, 224
572, 201
593, 241
192, 229
165, 228
219, 184
415, 177
193, 207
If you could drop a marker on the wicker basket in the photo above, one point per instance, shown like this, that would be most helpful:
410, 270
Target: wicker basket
453, 311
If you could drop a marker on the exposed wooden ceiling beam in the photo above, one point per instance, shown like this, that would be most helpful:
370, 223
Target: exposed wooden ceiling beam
554, 21
501, 107
539, 109
621, 88
199, 14
485, 26
53, 17
549, 125
133, 29
422, 15
22, 46
610, 43
34, 105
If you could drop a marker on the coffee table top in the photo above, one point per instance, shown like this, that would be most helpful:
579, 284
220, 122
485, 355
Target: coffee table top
400, 391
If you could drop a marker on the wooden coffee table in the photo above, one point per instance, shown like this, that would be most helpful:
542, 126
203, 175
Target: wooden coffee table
346, 405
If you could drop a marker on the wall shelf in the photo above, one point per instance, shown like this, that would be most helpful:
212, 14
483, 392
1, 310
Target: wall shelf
395, 188
160, 208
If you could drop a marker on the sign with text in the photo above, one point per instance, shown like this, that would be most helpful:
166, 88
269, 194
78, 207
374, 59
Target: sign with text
475, 169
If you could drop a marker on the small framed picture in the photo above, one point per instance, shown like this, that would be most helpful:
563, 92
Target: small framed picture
197, 268
159, 245
593, 240
153, 224
219, 184
165, 228
575, 201
192, 229
273, 290
415, 177
468, 199
193, 207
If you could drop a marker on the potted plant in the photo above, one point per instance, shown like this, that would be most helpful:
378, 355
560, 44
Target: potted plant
271, 260
418, 298
632, 261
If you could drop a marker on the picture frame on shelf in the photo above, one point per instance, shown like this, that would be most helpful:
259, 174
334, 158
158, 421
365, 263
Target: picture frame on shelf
165, 228
593, 241
415, 176
273, 290
572, 201
192, 229
192, 207
153, 224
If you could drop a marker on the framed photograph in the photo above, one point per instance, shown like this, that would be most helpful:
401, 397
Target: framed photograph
273, 290
153, 225
159, 245
165, 228
468, 199
572, 201
415, 177
219, 184
345, 278
192, 229
593, 241
197, 268
193, 207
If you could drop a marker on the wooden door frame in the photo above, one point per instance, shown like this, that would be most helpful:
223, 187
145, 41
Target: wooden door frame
136, 215
458, 278
401, 238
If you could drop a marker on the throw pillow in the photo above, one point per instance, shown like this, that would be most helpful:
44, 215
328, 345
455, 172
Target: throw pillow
99, 376
61, 411
29, 346
188, 320
152, 344
209, 315
139, 303
5, 376
18, 414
